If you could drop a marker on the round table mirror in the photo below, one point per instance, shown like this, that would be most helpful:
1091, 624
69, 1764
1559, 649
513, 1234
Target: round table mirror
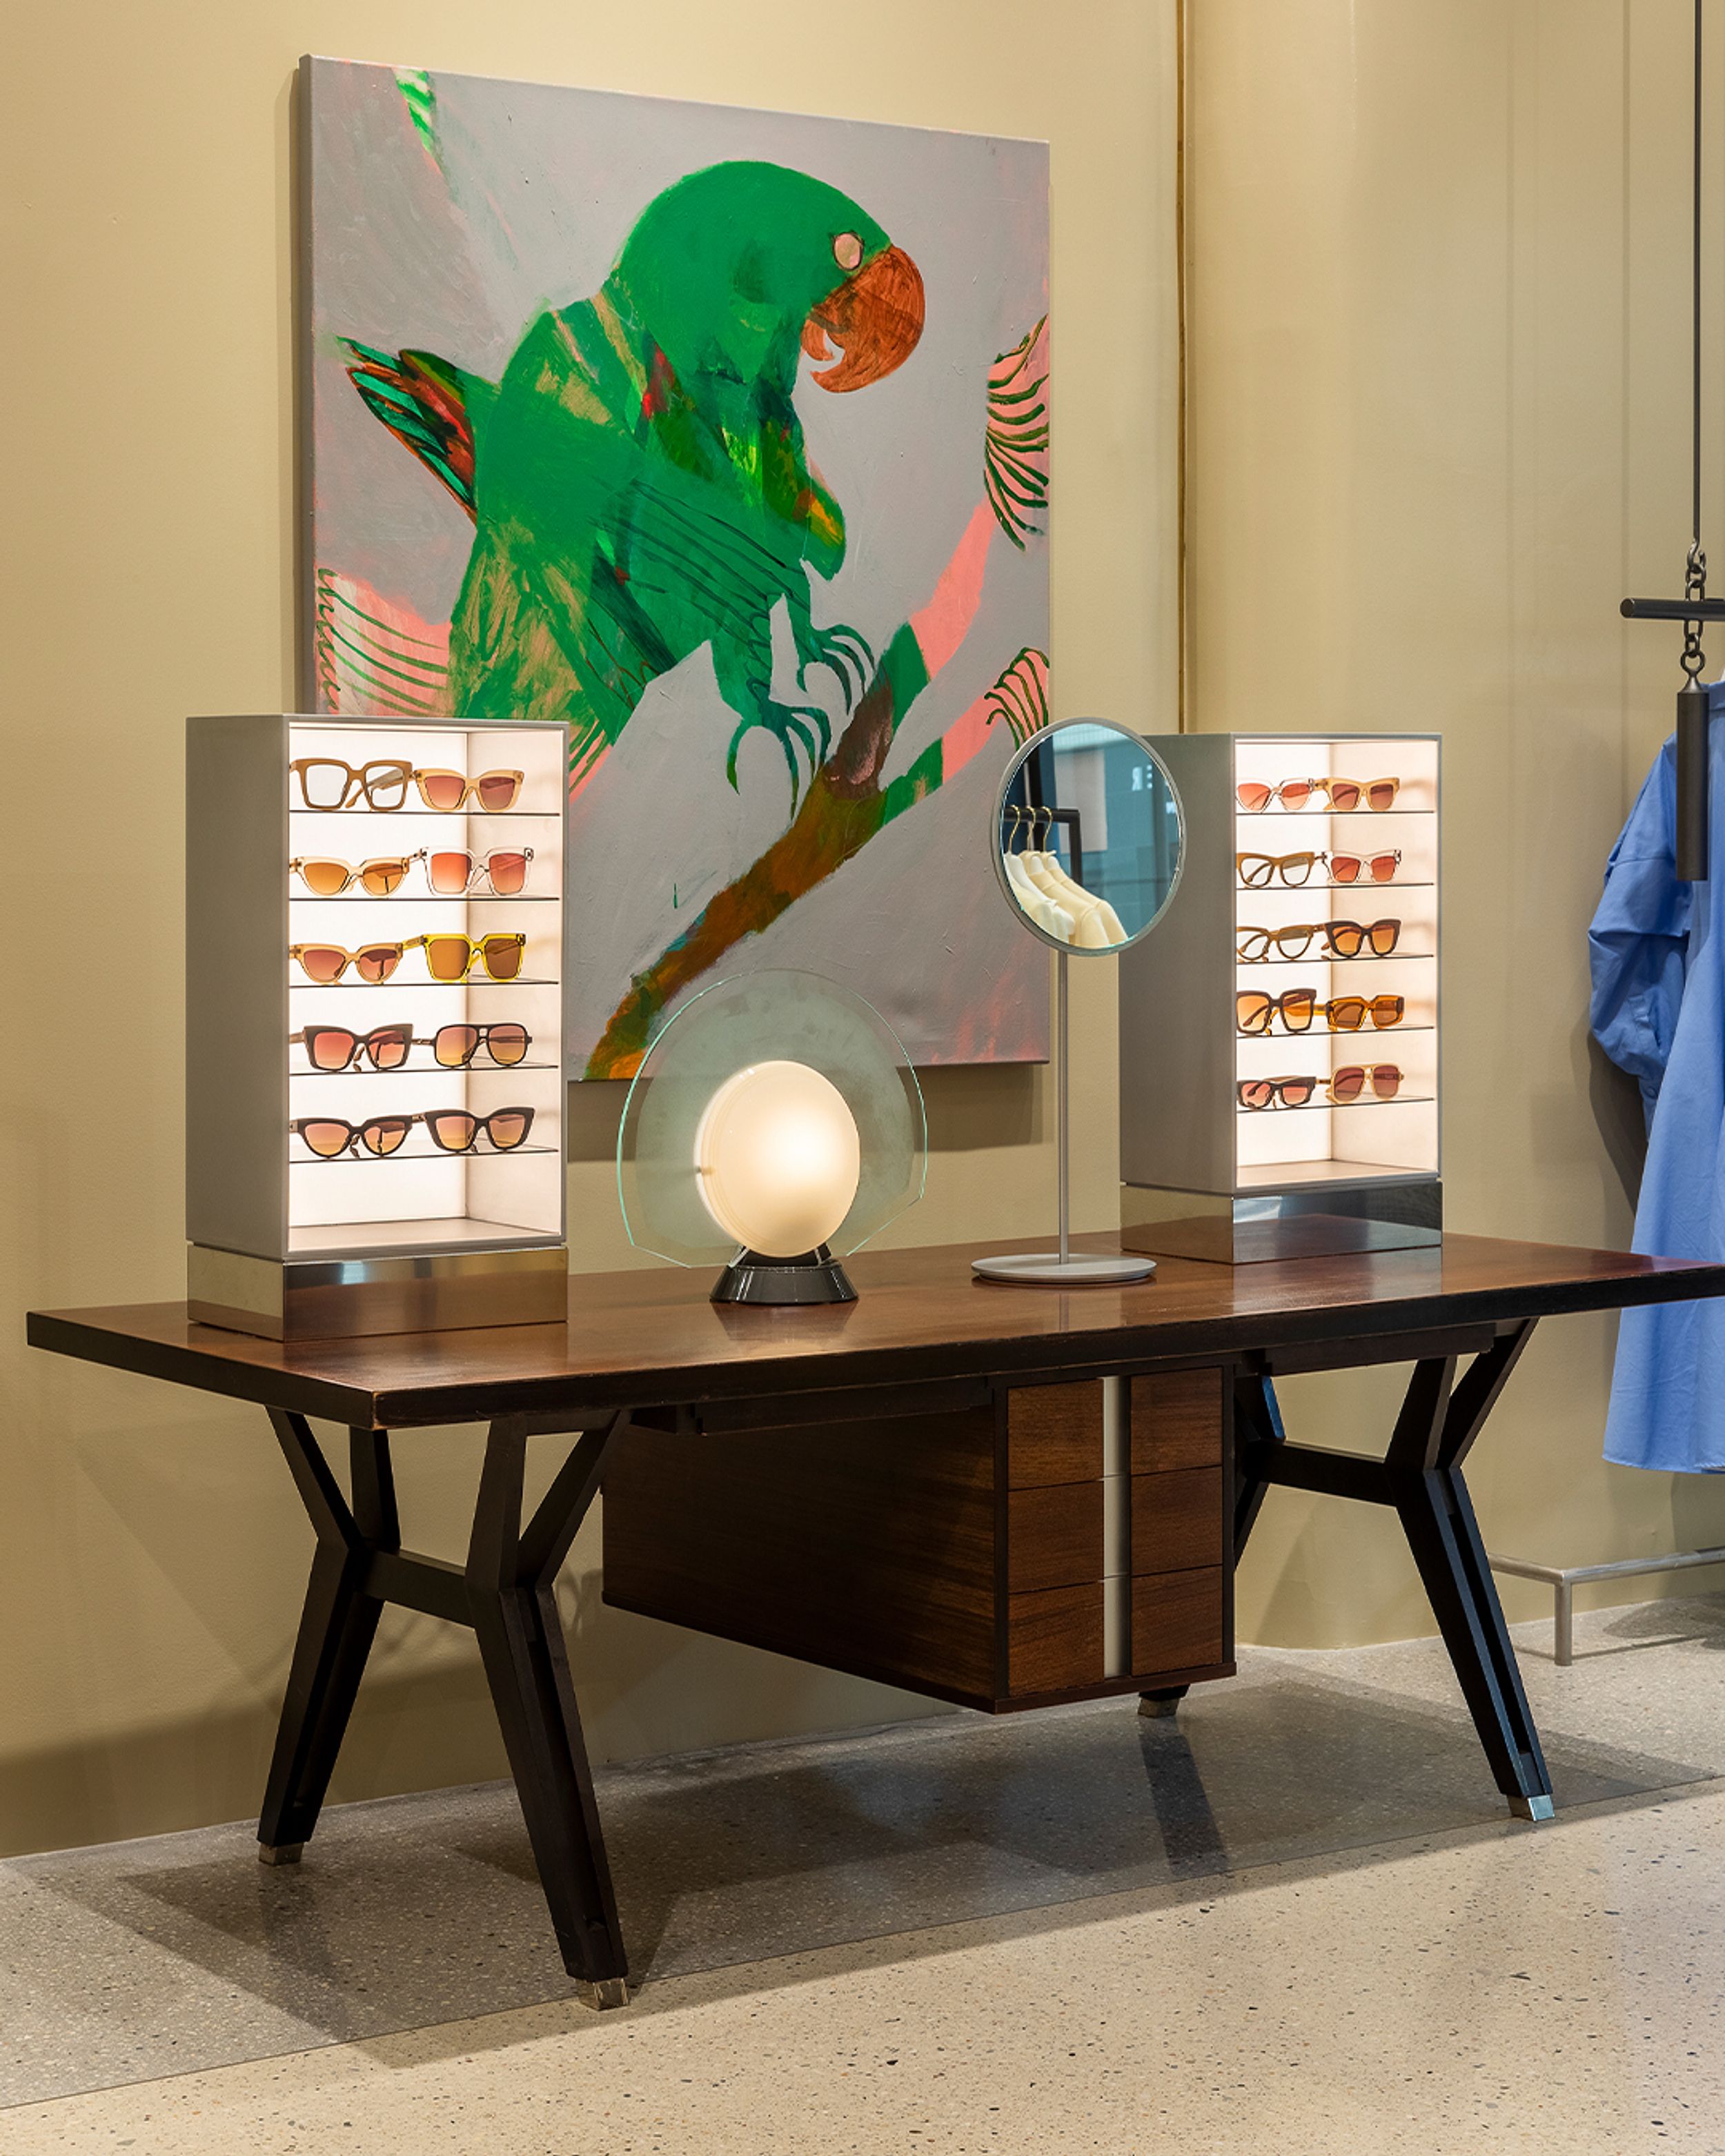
1091, 839
1088, 840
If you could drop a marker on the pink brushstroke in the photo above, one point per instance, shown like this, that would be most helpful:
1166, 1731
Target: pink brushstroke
942, 625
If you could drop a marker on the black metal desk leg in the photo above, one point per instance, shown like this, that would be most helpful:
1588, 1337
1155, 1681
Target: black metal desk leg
511, 1576
1436, 1432
337, 1628
1421, 1476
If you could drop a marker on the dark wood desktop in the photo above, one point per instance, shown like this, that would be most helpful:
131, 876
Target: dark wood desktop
910, 1488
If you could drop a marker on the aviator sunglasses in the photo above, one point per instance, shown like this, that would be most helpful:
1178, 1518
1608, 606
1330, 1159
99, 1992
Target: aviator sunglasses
450, 875
1344, 939
1255, 1011
327, 782
451, 1130
386, 1047
448, 957
1345, 795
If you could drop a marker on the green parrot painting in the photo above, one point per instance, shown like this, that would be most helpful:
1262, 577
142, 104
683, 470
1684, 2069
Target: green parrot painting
638, 481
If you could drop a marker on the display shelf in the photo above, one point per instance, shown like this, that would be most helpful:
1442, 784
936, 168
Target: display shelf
330, 987
1182, 1132
1358, 959
368, 1238
1329, 1108
405, 1158
245, 1206
425, 1071
1332, 1174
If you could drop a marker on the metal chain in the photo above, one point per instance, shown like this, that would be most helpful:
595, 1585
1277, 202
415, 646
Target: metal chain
1695, 572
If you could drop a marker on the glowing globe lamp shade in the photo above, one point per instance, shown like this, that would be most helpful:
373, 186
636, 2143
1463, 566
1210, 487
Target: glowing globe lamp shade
774, 1125
778, 1158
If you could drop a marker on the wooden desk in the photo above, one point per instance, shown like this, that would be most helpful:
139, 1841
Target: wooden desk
914, 1486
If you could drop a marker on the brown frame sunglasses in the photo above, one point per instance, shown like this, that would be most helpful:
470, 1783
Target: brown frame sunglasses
1255, 1011
1276, 866
1344, 939
341, 1137
1275, 1092
372, 1047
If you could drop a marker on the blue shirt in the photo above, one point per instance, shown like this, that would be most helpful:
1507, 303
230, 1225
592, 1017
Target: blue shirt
1657, 951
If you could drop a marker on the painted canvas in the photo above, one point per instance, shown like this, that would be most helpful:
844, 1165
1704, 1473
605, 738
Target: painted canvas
722, 436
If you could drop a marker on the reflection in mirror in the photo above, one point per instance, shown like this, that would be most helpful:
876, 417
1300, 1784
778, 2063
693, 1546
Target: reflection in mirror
1090, 836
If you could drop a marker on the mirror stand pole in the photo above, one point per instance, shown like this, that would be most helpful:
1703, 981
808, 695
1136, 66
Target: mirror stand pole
1063, 1128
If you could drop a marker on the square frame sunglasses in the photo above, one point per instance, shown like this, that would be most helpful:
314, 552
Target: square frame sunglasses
1257, 871
450, 957
332, 1047
1345, 795
1343, 939
1344, 1086
451, 1130
450, 872
1255, 1011
382, 785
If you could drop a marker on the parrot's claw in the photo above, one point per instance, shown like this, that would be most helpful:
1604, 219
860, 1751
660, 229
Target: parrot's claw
789, 724
839, 648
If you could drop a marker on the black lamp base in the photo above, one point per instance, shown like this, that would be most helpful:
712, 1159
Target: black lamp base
817, 1277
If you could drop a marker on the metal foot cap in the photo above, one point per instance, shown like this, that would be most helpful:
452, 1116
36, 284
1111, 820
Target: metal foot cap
1158, 1710
281, 1852
1532, 1808
602, 1992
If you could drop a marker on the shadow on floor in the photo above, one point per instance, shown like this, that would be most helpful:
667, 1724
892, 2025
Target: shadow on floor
165, 1956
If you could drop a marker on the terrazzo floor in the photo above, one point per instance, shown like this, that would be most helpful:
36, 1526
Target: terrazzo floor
1298, 1918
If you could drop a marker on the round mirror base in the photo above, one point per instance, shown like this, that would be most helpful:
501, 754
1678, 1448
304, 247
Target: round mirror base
1048, 1269
816, 1276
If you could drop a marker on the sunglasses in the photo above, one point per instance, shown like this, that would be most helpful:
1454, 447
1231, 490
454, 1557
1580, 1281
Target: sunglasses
1354, 1079
1345, 795
1255, 1011
454, 874
450, 875
385, 1047
327, 782
1275, 1092
451, 1130
1381, 868
1383, 1079
1344, 939
448, 957
1257, 869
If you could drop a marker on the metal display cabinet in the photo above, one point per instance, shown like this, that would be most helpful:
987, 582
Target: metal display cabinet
1203, 1175
293, 1246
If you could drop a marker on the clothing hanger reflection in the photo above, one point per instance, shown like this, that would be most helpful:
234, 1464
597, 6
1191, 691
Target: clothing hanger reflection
1047, 913
1097, 923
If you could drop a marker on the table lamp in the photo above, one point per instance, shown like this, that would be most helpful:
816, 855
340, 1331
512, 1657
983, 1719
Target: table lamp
775, 1124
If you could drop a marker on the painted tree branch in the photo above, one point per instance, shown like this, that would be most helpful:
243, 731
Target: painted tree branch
846, 804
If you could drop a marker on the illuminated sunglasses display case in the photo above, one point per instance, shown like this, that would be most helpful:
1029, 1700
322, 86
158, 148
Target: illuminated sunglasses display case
330, 1188
1280, 1045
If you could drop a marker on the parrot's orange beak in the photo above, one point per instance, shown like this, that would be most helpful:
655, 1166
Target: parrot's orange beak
875, 317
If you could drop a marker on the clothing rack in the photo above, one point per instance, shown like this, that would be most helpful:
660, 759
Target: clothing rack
1564, 1579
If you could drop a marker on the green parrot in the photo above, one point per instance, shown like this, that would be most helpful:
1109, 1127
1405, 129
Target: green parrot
638, 481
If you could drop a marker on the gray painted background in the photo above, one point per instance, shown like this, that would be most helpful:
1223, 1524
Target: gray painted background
539, 187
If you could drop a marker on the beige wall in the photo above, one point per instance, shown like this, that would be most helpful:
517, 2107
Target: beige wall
156, 1552
1439, 400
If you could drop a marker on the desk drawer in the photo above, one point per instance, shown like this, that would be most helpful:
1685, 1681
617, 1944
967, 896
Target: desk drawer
976, 1553
1177, 1520
1177, 1420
